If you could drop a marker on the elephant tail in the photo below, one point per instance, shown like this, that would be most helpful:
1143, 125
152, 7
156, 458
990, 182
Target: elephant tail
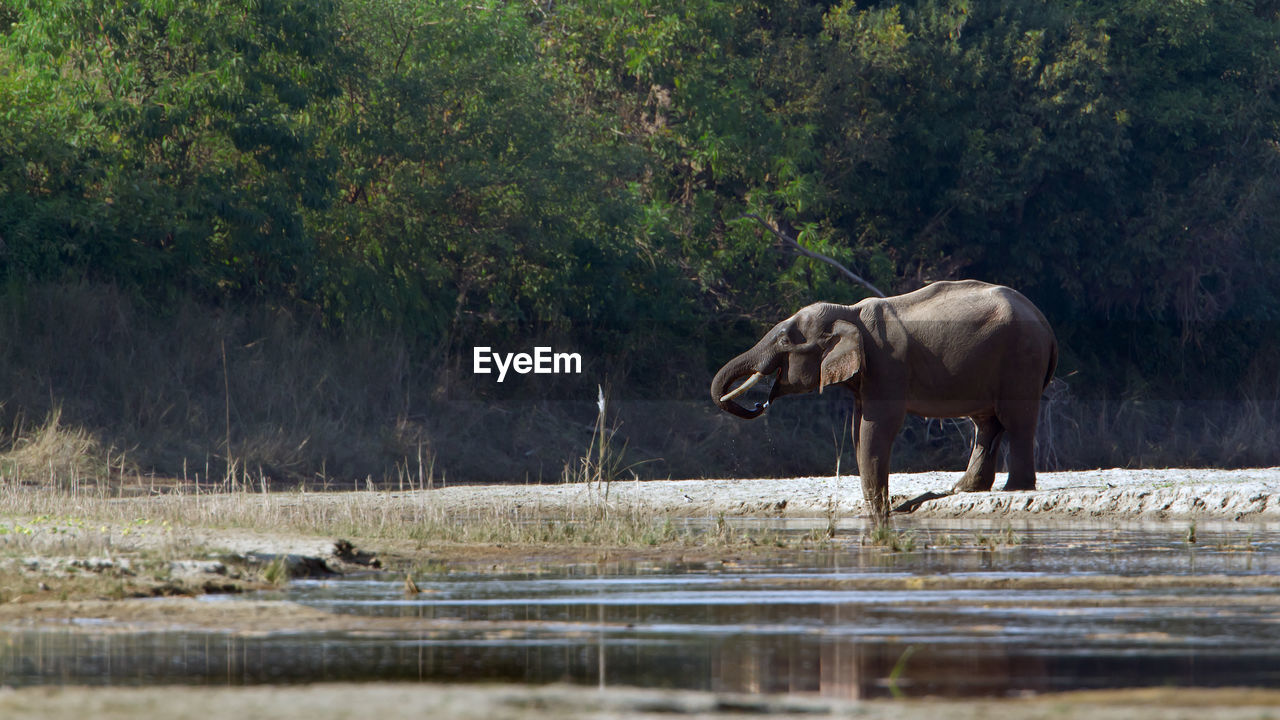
1053, 364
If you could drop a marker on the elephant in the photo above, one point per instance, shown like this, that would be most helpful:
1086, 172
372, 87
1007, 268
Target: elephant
950, 349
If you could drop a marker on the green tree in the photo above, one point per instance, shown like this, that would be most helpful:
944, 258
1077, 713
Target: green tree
1114, 161
194, 120
480, 196
43, 174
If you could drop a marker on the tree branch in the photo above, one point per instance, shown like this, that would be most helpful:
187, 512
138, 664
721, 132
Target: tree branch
793, 243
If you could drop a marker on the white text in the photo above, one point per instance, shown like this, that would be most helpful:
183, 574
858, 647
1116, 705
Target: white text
542, 362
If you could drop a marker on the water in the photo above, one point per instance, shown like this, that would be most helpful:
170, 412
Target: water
1059, 609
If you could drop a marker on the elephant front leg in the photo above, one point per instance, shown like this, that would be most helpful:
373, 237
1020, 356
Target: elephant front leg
981, 474
875, 446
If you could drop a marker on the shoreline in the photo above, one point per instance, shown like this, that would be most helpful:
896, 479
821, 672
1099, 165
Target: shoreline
1118, 494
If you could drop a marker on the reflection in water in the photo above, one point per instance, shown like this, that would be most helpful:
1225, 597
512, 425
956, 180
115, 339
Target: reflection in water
817, 622
739, 663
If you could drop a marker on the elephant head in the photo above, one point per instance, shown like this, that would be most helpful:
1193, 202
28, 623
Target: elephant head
820, 345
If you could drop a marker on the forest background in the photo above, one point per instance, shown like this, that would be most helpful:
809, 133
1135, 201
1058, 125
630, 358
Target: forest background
264, 236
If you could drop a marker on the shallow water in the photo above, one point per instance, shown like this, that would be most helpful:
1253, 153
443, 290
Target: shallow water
842, 620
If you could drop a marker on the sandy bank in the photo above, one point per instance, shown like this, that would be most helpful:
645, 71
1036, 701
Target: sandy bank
510, 702
1108, 494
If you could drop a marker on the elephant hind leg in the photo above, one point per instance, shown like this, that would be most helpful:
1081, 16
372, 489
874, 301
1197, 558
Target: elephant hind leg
1022, 458
981, 473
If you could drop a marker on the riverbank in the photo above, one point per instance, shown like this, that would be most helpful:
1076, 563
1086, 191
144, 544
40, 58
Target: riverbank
98, 544
92, 564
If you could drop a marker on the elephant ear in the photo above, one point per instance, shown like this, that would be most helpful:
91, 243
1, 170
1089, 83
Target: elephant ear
845, 359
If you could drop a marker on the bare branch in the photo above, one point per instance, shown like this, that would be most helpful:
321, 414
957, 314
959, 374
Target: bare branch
793, 243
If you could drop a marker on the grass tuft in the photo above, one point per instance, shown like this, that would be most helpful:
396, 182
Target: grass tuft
55, 455
890, 539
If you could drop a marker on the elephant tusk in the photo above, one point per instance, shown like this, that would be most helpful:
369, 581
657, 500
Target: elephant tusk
743, 387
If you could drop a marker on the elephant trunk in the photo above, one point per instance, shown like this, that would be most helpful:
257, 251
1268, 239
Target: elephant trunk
740, 367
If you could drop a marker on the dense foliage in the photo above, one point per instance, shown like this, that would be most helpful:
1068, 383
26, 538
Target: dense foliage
467, 173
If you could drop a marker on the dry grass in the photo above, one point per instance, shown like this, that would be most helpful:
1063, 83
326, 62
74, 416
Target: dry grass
60, 502
1145, 429
56, 455
324, 408
97, 391
98, 522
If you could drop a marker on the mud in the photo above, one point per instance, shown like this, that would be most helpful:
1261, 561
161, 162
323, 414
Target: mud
507, 702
